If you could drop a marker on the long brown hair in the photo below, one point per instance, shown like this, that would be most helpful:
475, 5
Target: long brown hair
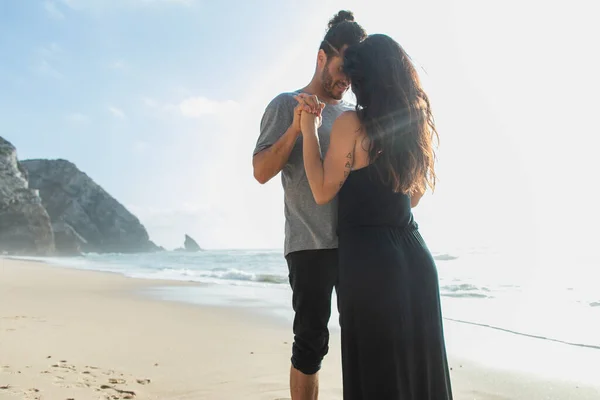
395, 113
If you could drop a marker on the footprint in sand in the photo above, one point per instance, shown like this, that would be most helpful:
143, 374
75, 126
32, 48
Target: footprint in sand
89, 374
29, 394
7, 369
33, 394
66, 376
108, 383
64, 365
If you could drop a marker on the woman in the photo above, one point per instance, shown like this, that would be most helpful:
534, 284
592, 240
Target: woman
380, 162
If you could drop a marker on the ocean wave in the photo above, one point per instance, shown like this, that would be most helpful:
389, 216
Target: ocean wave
467, 295
465, 290
464, 287
228, 274
444, 257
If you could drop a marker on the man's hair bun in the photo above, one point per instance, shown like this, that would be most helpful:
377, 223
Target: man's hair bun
342, 16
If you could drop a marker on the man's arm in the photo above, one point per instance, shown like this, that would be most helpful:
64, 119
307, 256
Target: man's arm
279, 129
268, 162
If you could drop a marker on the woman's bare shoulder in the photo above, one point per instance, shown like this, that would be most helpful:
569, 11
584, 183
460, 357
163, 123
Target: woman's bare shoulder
348, 123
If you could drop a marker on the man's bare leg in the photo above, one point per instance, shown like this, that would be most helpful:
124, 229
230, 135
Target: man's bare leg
303, 387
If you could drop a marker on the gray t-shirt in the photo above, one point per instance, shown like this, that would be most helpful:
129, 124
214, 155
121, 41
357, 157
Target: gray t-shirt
308, 226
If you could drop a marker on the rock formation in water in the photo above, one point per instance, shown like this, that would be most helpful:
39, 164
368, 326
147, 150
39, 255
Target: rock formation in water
190, 244
88, 217
24, 223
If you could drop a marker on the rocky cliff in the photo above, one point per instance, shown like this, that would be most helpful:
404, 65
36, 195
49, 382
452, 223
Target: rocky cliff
84, 211
25, 226
190, 244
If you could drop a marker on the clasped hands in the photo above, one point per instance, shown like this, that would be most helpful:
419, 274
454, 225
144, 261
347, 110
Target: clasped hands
308, 113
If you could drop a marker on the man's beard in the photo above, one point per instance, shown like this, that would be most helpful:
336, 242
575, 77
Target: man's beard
329, 85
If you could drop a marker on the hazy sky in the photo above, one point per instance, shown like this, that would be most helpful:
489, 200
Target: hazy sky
159, 101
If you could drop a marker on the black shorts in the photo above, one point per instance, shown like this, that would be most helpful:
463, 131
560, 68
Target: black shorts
313, 275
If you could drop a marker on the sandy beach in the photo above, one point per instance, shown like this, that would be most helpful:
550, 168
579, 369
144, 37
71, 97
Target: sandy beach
72, 334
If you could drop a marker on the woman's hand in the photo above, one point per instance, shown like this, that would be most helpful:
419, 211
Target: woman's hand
310, 117
309, 122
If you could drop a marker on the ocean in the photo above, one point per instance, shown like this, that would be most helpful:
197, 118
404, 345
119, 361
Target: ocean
480, 289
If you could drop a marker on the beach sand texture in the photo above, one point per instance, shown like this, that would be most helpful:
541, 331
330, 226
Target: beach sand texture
72, 334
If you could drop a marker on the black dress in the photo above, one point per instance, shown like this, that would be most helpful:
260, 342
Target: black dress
391, 322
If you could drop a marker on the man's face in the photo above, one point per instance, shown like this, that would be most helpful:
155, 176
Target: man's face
334, 82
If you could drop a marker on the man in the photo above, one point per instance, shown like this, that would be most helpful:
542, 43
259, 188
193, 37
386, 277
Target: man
310, 230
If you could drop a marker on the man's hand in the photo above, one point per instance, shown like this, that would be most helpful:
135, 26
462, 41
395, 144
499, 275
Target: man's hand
308, 111
310, 103
296, 122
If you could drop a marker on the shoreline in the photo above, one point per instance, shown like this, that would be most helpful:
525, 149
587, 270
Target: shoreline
143, 287
199, 293
107, 328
